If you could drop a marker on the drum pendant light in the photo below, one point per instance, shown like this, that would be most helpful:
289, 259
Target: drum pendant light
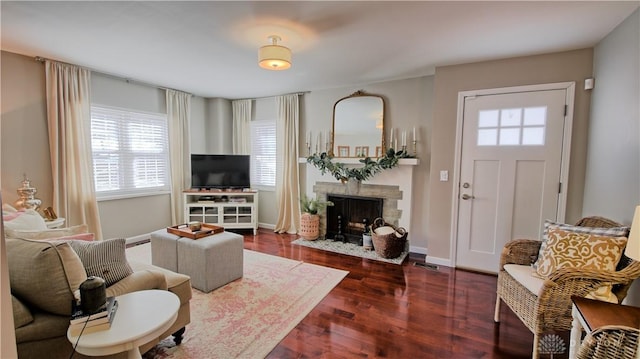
274, 56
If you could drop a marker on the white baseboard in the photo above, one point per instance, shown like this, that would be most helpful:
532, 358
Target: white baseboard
419, 250
267, 226
438, 261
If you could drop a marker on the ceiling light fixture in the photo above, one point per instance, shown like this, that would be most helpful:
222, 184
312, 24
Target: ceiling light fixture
274, 56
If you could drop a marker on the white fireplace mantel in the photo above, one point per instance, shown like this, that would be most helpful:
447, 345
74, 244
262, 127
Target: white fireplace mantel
356, 161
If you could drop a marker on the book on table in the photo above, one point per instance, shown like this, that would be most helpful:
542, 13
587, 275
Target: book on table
78, 316
87, 325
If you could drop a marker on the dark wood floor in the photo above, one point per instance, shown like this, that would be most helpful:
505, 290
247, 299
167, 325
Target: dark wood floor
383, 310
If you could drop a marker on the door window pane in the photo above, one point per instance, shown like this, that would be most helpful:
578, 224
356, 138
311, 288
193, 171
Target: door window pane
488, 118
510, 117
487, 137
535, 116
533, 136
509, 136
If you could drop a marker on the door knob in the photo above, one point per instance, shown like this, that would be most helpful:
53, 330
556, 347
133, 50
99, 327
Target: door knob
466, 197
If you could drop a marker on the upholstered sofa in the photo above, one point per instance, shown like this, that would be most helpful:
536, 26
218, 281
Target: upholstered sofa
45, 276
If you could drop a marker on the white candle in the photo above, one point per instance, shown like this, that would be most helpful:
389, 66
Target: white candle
391, 138
414, 135
318, 143
404, 138
326, 141
309, 138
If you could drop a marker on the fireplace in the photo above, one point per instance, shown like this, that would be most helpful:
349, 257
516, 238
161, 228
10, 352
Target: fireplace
349, 214
393, 186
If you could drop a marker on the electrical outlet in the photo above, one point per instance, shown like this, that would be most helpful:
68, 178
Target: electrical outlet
444, 176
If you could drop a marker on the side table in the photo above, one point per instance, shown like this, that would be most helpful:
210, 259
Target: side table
590, 314
141, 317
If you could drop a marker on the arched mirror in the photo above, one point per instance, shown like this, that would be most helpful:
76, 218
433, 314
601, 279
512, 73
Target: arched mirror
358, 126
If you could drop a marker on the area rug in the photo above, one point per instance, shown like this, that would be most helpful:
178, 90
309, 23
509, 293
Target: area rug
350, 249
248, 317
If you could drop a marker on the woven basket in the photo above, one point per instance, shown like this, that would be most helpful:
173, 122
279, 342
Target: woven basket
388, 241
309, 226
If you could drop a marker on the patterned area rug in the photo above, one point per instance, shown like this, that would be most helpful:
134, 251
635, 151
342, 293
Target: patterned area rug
350, 249
248, 317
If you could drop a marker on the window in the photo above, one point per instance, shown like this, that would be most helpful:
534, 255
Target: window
130, 152
263, 153
512, 127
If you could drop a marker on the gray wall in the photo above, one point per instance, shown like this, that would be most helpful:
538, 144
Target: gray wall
25, 140
450, 80
408, 104
612, 184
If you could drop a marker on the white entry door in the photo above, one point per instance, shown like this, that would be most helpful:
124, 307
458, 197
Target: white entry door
510, 171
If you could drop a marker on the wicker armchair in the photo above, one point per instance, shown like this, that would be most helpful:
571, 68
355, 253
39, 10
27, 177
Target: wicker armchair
610, 342
550, 309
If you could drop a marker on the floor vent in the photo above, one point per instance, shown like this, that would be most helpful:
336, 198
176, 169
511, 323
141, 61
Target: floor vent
426, 265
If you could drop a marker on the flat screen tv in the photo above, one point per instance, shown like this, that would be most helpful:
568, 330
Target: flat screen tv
220, 171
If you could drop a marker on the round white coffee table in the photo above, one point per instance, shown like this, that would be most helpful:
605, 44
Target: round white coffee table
141, 316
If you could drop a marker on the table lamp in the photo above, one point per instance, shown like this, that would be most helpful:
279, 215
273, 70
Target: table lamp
633, 244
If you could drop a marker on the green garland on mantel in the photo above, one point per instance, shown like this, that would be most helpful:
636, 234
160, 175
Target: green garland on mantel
324, 162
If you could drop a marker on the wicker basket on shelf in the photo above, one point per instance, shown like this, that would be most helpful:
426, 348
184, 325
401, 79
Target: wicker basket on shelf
388, 241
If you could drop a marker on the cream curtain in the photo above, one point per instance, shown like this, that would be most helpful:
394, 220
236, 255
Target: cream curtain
178, 114
69, 118
287, 183
241, 122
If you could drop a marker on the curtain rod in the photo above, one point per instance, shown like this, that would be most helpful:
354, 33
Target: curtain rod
292, 93
127, 80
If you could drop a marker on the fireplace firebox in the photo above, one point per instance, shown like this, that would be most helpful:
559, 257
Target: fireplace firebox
354, 212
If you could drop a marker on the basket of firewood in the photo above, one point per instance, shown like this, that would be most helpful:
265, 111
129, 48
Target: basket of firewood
389, 241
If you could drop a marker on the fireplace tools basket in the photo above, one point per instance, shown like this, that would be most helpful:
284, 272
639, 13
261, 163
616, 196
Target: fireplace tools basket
388, 241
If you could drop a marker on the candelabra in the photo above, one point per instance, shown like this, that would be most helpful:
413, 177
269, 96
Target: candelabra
415, 148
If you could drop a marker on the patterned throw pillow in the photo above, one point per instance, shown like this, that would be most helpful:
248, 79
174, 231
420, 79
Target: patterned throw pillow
104, 259
608, 232
579, 250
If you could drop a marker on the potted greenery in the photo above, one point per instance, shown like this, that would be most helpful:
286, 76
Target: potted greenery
310, 220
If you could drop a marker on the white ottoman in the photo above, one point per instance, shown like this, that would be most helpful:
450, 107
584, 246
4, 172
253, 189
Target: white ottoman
164, 250
211, 261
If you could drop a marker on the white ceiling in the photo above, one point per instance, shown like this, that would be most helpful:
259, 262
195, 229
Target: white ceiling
210, 48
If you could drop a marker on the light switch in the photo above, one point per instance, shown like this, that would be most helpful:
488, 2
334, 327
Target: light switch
444, 176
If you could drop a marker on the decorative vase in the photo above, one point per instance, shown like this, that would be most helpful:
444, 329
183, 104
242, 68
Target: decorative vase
27, 196
309, 226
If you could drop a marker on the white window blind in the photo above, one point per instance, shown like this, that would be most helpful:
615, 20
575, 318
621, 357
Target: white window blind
263, 153
130, 152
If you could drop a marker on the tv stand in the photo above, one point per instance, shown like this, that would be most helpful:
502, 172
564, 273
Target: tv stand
239, 210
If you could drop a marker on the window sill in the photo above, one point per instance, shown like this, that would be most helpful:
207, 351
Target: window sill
115, 197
